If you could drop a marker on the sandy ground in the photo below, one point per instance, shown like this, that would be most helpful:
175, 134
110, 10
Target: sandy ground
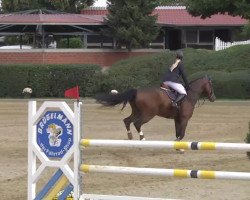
221, 121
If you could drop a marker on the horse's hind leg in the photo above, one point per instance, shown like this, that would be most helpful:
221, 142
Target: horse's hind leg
138, 123
127, 121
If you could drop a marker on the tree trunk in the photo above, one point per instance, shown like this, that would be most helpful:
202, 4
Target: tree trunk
129, 47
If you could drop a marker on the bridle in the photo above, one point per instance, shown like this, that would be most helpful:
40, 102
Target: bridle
211, 94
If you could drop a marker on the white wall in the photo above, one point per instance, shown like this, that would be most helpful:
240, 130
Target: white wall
100, 3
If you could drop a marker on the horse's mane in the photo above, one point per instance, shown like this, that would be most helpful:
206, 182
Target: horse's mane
195, 80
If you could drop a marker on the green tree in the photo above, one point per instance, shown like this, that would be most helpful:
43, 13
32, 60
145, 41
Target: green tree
206, 8
131, 23
170, 2
72, 6
246, 31
18, 5
73, 43
13, 40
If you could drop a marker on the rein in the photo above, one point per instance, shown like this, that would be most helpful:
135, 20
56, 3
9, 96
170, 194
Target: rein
200, 104
198, 100
211, 95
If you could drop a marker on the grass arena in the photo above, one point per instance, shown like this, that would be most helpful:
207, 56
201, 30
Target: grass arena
221, 121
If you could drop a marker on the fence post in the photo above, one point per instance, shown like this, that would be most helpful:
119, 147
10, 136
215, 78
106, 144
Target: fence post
220, 45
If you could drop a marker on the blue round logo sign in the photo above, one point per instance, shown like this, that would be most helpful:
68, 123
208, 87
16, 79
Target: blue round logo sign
54, 134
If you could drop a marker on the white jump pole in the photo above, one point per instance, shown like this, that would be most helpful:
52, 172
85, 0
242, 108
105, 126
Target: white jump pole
165, 144
180, 173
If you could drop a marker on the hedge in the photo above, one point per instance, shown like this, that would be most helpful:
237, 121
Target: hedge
229, 85
229, 69
74, 43
48, 80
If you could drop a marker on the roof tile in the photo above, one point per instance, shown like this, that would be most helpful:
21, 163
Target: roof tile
181, 17
178, 15
171, 16
50, 19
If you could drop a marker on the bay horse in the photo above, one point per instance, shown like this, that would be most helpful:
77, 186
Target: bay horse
152, 102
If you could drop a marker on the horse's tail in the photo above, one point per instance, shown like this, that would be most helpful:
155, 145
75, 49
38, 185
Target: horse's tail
115, 99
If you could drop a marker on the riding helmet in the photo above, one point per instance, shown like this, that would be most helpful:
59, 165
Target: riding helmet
179, 55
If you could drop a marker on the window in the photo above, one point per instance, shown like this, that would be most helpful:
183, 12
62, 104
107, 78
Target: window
206, 36
94, 39
191, 36
107, 39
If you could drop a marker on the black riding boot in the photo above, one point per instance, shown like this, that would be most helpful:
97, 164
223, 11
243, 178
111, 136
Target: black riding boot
178, 99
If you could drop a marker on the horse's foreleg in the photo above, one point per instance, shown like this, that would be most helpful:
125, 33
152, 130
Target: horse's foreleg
127, 121
180, 128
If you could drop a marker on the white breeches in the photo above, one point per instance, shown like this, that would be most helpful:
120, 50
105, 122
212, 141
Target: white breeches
176, 86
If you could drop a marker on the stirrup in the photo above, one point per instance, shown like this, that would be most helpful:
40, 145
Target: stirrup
174, 104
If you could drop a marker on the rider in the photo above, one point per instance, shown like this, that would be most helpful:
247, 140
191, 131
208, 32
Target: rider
172, 76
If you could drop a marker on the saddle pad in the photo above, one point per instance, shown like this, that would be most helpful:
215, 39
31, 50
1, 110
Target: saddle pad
171, 95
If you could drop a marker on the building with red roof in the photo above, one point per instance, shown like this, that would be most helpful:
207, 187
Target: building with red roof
179, 28
183, 30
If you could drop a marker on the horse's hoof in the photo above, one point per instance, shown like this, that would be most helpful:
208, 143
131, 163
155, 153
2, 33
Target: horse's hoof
130, 136
180, 150
142, 137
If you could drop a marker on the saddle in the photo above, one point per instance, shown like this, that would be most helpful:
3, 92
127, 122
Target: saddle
172, 94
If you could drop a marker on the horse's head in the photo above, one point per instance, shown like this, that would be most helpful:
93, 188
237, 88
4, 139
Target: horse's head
208, 89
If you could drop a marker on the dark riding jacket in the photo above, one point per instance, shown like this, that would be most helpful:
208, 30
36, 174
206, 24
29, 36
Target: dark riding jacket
175, 75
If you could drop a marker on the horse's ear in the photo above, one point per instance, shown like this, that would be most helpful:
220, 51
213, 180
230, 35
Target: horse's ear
208, 77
